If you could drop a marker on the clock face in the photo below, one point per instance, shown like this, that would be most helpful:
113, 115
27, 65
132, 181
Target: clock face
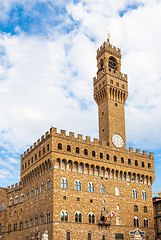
117, 140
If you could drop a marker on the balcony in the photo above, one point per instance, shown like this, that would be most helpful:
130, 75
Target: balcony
103, 223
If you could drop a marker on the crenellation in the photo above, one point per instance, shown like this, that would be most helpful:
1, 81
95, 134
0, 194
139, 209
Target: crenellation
38, 141
80, 137
71, 135
46, 134
151, 155
28, 151
31, 147
53, 131
42, 138
63, 133
96, 141
131, 149
145, 153
34, 144
88, 139
138, 151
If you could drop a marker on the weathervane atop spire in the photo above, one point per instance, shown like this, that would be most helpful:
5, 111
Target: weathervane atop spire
108, 36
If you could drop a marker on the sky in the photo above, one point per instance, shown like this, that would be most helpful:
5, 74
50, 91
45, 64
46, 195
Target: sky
47, 64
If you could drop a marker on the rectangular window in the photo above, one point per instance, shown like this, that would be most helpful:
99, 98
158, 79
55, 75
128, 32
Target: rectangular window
78, 199
32, 160
123, 86
103, 237
35, 156
48, 147
64, 197
68, 235
89, 236
28, 162
117, 84
39, 153
99, 85
111, 81
119, 236
104, 82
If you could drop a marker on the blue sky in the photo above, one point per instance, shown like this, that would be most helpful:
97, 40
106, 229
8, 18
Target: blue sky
47, 63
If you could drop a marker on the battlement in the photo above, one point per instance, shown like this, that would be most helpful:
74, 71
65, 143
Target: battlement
71, 136
15, 186
107, 47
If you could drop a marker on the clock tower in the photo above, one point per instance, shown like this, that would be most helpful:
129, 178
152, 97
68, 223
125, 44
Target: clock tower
110, 93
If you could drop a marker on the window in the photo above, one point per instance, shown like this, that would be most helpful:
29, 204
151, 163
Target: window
122, 160
48, 147
21, 225
36, 220
48, 184
64, 183
15, 226
90, 187
103, 237
64, 216
93, 153
78, 199
9, 227
159, 207
28, 163
78, 217
10, 201
26, 224
77, 185
145, 222
91, 201
48, 217
145, 209
42, 187
134, 193
68, 235
129, 161
43, 150
112, 63
142, 164
115, 159
22, 167
118, 221
64, 198
16, 200
22, 198
123, 86
39, 153
136, 163
119, 236
143, 195
32, 192
117, 191
102, 189
117, 84
101, 63
101, 155
107, 157
2, 205
36, 191
149, 166
85, 152
25, 164
89, 236
136, 221
91, 218
69, 148
111, 81
32, 160
42, 218
35, 157
77, 150
31, 222
59, 146
135, 208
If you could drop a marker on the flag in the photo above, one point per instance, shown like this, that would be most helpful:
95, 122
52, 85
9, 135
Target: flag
101, 218
113, 214
106, 215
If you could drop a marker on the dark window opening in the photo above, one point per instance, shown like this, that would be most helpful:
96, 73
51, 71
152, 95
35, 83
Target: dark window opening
107, 157
85, 152
93, 153
101, 155
129, 161
69, 148
136, 163
149, 166
115, 104
122, 160
115, 159
59, 146
112, 63
77, 150
142, 164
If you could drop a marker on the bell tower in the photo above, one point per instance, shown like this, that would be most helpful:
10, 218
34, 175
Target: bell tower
110, 93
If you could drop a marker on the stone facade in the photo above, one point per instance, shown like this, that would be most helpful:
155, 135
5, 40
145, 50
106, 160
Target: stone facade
67, 182
157, 217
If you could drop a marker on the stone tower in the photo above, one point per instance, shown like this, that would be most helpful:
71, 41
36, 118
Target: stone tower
110, 93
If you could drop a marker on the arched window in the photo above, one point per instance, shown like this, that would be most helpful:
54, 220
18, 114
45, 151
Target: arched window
90, 187
91, 218
143, 195
134, 193
59, 146
78, 217
36, 220
136, 221
149, 166
129, 161
26, 223
9, 227
15, 226
48, 184
22, 197
145, 222
69, 148
101, 155
77, 185
102, 189
32, 192
136, 163
145, 209
101, 63
68, 235
42, 187
41, 218
36, 190
16, 200
107, 157
77, 150
89, 236
142, 164
112, 63
64, 216
31, 222
122, 160
115, 159
2, 205
85, 152
48, 217
93, 153
117, 191
64, 183
135, 208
